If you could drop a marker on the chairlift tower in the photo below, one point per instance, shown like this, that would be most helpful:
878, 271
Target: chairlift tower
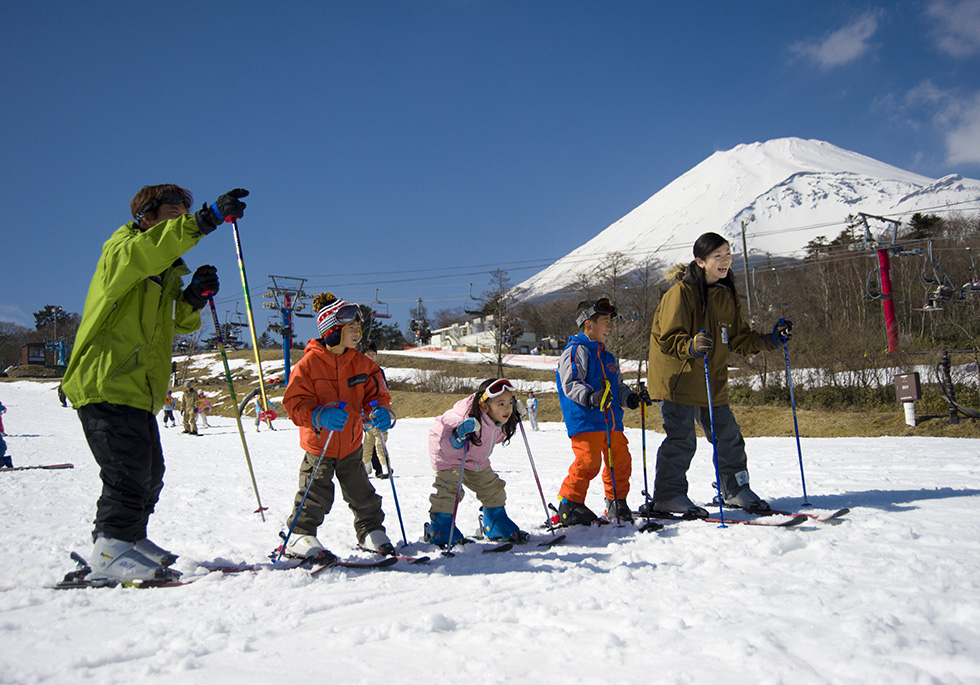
883, 243
287, 297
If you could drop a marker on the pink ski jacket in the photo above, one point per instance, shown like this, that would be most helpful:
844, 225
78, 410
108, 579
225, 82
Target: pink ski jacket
443, 455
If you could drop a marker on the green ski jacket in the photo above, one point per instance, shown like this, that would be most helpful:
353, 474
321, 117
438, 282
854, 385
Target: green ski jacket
134, 306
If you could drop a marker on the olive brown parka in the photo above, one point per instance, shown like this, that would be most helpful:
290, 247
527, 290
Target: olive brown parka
676, 373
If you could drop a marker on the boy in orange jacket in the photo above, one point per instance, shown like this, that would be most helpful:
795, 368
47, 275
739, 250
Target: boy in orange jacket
328, 389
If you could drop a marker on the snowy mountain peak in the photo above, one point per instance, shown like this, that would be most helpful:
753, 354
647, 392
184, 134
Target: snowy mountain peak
787, 191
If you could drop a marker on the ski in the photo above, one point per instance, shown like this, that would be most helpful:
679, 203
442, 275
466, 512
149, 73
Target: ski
394, 554
340, 563
827, 518
41, 466
793, 520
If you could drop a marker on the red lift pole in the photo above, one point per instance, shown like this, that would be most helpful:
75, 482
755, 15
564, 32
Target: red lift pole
887, 301
884, 268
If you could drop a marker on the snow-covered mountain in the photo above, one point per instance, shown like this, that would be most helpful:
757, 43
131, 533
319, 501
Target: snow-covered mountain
788, 191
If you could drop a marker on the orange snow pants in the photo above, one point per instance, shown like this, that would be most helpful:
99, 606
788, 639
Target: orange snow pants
591, 455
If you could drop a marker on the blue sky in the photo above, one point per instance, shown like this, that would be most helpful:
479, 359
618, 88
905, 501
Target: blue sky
412, 147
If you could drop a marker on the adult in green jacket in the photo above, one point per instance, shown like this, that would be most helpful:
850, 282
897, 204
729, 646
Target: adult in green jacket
120, 366
697, 323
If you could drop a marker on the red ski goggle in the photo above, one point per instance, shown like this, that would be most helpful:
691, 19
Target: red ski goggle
498, 387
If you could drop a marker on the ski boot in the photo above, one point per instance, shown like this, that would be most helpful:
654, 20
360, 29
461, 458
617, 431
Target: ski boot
749, 501
619, 510
681, 504
306, 547
377, 541
151, 550
574, 514
119, 561
496, 525
437, 530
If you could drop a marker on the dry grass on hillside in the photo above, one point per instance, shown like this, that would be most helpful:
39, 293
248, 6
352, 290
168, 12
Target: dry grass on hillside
755, 421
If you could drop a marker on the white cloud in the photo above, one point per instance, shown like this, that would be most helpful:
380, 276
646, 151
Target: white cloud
957, 30
955, 116
963, 132
842, 46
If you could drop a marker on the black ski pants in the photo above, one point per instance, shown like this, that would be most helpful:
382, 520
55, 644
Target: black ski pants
126, 444
677, 450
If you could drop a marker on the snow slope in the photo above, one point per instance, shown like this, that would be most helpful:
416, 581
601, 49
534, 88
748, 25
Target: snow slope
788, 191
892, 594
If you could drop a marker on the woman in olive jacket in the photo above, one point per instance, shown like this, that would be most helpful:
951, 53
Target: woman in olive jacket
698, 323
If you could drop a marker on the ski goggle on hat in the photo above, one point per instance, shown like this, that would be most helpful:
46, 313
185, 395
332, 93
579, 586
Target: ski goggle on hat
600, 306
498, 387
337, 315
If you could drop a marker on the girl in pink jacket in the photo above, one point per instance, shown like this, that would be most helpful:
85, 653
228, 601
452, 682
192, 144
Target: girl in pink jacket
469, 432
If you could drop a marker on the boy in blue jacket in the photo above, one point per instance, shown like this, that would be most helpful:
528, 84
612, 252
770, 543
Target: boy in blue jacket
591, 391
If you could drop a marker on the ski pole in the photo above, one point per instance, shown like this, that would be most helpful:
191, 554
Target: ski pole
714, 443
796, 425
534, 470
309, 485
248, 312
234, 403
391, 478
643, 442
459, 488
609, 461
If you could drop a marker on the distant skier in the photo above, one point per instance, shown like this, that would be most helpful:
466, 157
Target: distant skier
469, 431
257, 407
373, 453
3, 410
698, 322
591, 392
5, 461
204, 409
532, 410
189, 409
168, 410
328, 390
120, 367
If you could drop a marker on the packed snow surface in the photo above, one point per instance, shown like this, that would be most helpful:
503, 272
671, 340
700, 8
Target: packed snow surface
889, 595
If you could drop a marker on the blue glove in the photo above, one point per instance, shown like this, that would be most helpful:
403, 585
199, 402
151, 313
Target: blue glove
330, 418
382, 418
458, 437
782, 332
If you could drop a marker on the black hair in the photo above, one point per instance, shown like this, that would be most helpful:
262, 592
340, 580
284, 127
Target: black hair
509, 427
584, 306
371, 346
695, 276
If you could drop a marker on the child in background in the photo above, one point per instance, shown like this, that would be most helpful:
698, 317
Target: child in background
590, 387
168, 410
469, 431
204, 409
532, 410
3, 410
328, 390
374, 455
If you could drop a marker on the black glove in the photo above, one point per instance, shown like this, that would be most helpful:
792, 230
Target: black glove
203, 283
632, 400
702, 344
229, 204
644, 395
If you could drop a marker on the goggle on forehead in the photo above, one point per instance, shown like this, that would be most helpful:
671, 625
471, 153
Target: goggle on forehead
600, 306
497, 388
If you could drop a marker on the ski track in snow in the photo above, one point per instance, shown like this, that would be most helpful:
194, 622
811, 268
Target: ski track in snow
889, 595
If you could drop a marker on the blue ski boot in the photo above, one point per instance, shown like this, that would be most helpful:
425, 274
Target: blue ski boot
496, 525
437, 530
